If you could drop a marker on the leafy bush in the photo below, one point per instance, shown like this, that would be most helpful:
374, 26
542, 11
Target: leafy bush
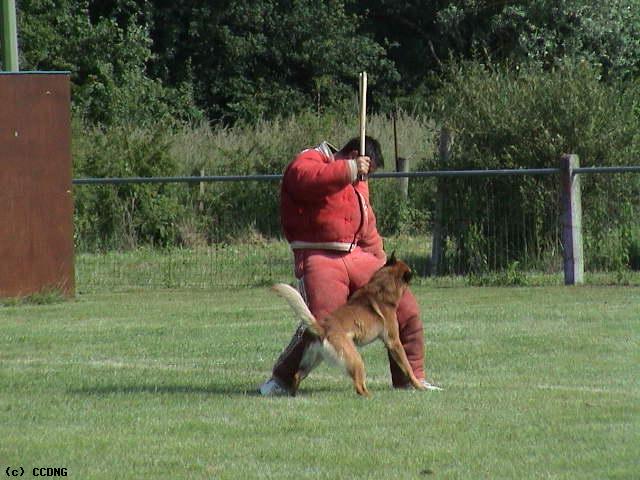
501, 119
615, 248
526, 118
121, 216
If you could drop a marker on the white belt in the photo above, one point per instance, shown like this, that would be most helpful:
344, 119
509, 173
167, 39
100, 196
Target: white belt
338, 246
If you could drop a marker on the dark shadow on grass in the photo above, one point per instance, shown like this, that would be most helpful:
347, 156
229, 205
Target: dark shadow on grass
128, 389
227, 390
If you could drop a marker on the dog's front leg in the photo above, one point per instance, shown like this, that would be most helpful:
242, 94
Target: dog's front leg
395, 347
400, 356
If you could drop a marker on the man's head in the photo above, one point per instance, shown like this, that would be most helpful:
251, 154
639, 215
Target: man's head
371, 147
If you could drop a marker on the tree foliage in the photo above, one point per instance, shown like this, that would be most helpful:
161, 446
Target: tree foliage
549, 31
251, 59
107, 57
139, 60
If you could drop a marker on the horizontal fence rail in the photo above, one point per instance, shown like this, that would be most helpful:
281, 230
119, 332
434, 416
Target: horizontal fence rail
469, 173
278, 177
629, 169
203, 179
423, 174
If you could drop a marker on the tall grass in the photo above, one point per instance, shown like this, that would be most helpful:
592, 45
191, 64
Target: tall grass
126, 216
219, 149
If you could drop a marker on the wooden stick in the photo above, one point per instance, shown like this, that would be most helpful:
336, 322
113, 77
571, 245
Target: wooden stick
363, 116
363, 111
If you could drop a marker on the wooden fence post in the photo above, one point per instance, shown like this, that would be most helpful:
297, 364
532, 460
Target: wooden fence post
437, 242
201, 193
402, 165
571, 219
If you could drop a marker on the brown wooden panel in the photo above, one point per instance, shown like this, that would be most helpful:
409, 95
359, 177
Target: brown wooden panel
36, 205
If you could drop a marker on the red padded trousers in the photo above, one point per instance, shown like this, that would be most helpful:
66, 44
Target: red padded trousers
327, 279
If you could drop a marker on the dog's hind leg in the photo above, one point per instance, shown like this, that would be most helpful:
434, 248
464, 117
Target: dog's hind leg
356, 371
345, 352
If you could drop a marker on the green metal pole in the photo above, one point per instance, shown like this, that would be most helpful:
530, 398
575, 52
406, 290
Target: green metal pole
9, 36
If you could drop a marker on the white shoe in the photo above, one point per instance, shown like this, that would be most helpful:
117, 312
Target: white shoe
427, 385
273, 388
430, 386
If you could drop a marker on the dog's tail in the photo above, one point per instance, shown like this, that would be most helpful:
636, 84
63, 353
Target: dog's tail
296, 302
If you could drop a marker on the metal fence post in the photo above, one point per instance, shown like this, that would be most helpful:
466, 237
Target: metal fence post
201, 193
571, 219
9, 35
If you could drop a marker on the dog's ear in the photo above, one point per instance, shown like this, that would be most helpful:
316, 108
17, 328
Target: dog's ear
408, 275
391, 260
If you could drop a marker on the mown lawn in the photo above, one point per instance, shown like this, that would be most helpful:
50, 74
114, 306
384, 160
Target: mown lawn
540, 382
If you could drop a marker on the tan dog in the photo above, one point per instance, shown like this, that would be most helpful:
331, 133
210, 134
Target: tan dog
368, 315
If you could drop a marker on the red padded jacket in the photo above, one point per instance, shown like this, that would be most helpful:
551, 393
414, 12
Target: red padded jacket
323, 206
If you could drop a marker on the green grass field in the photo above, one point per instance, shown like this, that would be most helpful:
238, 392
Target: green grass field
540, 382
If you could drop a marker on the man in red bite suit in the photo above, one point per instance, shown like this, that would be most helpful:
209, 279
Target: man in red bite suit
328, 220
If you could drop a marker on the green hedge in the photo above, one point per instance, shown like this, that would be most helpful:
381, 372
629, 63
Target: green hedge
501, 118
526, 118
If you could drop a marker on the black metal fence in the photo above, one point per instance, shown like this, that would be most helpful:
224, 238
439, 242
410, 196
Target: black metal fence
257, 259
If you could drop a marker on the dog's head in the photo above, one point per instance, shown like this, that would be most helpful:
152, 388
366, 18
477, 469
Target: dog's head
399, 269
389, 283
